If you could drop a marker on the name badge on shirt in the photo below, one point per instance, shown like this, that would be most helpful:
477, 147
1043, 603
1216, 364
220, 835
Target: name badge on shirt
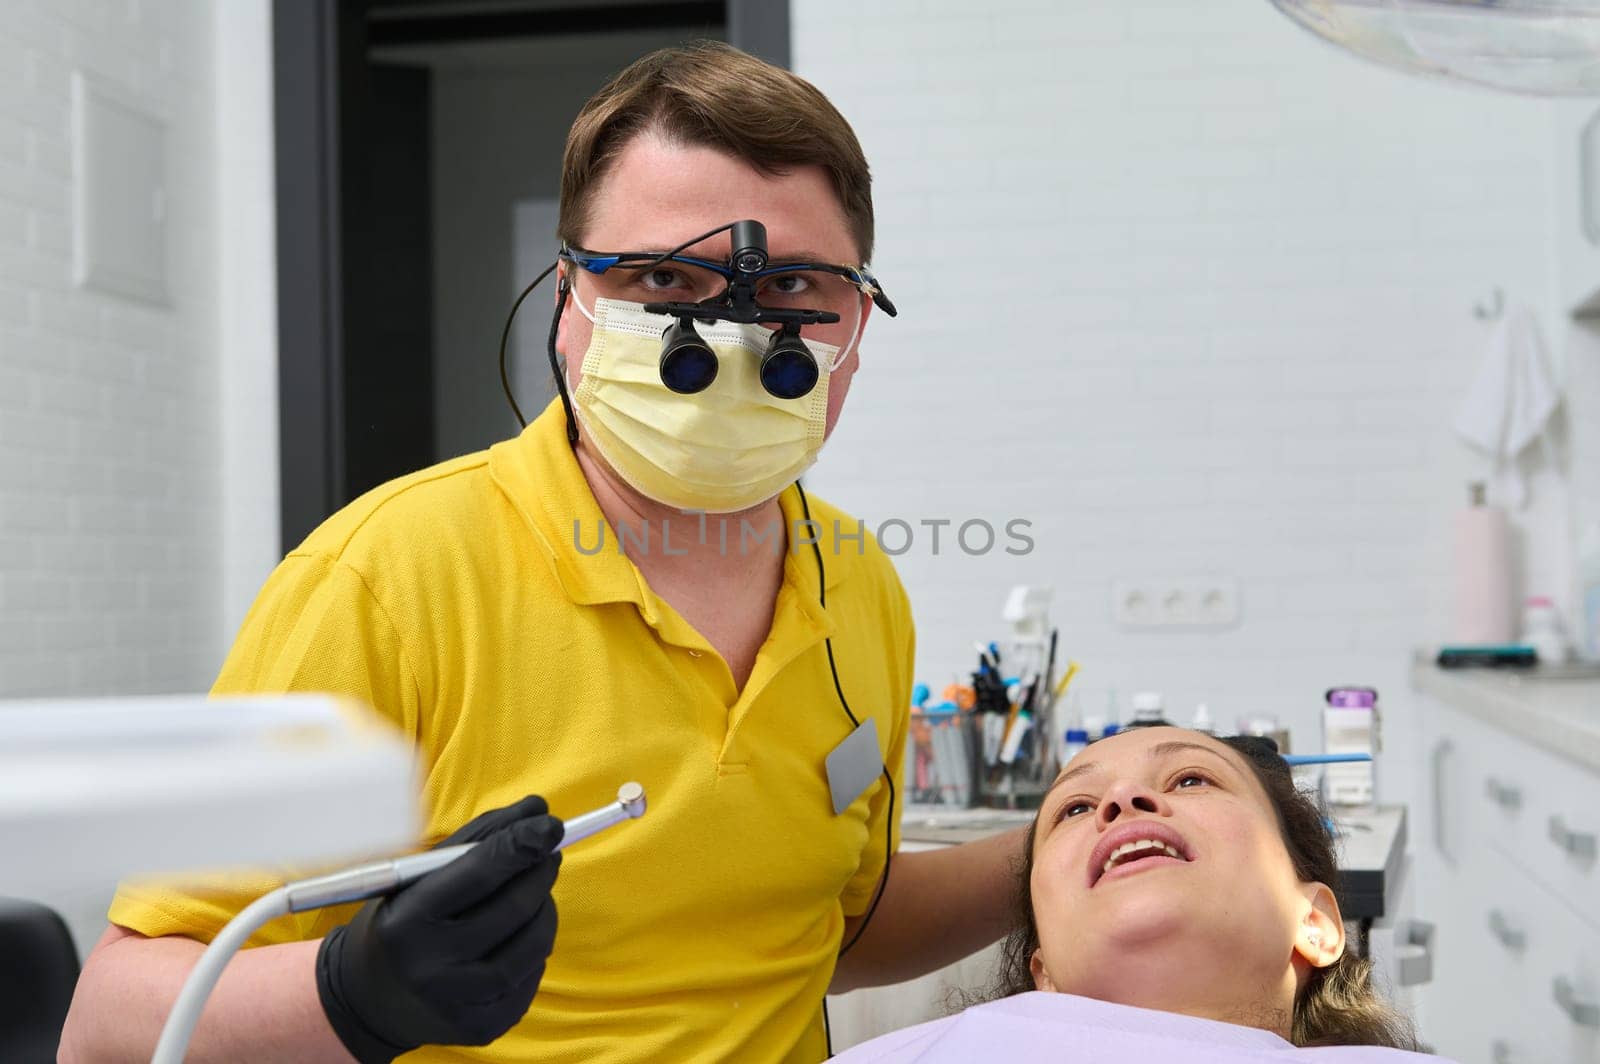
853, 765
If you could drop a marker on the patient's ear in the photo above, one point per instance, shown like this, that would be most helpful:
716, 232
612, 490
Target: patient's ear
1041, 978
1320, 938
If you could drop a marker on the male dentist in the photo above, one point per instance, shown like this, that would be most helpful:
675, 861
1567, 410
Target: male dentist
627, 590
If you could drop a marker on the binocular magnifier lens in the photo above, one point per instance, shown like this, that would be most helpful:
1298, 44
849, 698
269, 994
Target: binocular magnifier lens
687, 364
788, 371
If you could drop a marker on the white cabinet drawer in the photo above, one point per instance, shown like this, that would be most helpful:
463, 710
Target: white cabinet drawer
1515, 913
1543, 813
1558, 1010
1455, 864
1456, 827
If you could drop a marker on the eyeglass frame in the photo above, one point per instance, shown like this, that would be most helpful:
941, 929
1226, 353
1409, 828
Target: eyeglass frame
598, 262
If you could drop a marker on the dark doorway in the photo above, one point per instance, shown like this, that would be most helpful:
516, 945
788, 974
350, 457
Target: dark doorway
418, 156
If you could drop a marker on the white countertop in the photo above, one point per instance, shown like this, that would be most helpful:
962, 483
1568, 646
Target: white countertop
1554, 710
936, 825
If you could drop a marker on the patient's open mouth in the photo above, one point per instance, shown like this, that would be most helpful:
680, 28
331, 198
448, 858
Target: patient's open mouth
1135, 845
1133, 851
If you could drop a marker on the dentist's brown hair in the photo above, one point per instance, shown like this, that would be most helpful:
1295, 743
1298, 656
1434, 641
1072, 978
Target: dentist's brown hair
710, 94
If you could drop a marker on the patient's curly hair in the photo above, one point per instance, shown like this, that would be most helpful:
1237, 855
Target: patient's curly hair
1338, 1005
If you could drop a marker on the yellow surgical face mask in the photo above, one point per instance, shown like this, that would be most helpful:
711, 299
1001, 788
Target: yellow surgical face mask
729, 447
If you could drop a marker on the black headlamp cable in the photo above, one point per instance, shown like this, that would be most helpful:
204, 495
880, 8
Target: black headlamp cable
888, 777
550, 345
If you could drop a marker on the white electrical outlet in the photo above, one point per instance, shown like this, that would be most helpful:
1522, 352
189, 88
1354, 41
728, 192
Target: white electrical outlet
1195, 602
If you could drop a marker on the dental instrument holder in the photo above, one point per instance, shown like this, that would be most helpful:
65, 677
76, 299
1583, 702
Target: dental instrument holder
1029, 654
1018, 784
1022, 782
353, 884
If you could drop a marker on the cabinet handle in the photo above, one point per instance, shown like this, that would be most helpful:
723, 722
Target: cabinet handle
1500, 1052
1510, 937
1581, 844
1583, 1012
1415, 953
1441, 750
1507, 796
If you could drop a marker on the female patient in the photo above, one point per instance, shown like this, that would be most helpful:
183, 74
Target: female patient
1174, 904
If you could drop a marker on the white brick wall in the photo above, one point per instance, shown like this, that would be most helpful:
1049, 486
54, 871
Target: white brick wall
1236, 350
110, 478
1192, 291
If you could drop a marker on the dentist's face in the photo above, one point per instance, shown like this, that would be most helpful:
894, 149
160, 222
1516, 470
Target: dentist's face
658, 194
1157, 854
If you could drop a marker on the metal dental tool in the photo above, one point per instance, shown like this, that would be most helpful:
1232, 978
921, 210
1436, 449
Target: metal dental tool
353, 884
385, 877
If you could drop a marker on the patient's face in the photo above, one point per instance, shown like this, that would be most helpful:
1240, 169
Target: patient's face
1158, 857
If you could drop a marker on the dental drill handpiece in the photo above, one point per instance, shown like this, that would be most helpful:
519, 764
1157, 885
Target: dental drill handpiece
386, 877
354, 884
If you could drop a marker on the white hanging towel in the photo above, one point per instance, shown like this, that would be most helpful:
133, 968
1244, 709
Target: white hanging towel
1510, 403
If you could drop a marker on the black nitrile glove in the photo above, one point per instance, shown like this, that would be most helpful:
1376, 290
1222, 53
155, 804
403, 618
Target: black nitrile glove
454, 958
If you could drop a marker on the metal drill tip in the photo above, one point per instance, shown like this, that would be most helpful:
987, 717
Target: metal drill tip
631, 797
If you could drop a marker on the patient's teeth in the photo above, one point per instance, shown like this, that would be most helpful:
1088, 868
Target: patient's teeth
1134, 847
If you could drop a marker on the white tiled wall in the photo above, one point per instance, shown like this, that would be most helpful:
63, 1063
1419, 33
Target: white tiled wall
1191, 291
110, 431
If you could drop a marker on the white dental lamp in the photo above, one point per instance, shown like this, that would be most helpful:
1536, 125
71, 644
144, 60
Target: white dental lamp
95, 790
1532, 47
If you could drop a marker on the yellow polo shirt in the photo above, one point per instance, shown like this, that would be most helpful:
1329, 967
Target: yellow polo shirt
458, 602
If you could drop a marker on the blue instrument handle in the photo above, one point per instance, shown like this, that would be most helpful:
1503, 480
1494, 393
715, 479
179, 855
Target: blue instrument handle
1323, 759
